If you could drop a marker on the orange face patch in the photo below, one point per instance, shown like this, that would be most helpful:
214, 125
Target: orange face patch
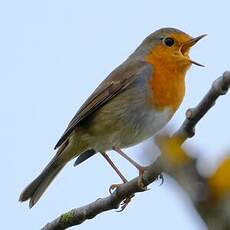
168, 80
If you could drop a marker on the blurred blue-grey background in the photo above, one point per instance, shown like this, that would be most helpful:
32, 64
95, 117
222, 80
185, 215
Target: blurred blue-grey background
52, 56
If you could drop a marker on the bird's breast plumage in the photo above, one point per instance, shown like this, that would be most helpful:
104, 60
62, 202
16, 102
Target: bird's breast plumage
128, 119
167, 81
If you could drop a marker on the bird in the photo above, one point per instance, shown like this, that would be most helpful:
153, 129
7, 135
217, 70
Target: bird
135, 101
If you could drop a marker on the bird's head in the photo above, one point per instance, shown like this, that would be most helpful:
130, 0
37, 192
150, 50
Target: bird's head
169, 46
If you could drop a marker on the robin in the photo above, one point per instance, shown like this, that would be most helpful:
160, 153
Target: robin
134, 102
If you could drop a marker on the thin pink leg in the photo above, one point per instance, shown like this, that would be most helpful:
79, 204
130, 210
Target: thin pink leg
134, 163
116, 186
114, 166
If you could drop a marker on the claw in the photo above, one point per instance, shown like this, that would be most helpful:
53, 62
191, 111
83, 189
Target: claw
113, 187
125, 202
161, 177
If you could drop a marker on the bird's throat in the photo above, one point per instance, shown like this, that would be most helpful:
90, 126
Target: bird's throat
168, 83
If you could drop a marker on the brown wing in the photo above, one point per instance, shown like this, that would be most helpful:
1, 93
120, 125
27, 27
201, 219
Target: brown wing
116, 82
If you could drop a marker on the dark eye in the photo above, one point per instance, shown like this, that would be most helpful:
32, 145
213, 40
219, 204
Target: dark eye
169, 41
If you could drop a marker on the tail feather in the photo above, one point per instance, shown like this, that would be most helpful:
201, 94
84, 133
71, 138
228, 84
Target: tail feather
36, 188
65, 153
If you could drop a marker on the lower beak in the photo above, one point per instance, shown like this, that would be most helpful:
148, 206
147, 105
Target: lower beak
187, 45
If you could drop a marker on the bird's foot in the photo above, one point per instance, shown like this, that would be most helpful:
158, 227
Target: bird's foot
114, 187
140, 182
126, 201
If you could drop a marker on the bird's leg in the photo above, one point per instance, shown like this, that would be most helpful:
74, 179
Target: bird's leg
115, 186
139, 167
114, 167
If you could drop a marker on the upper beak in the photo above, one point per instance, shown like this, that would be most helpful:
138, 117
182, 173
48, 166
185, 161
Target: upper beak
188, 44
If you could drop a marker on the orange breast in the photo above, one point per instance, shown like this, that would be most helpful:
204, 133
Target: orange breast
167, 82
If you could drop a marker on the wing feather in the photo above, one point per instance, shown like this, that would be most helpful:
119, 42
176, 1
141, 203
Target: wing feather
116, 82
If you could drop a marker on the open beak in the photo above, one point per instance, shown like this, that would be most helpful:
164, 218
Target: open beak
187, 45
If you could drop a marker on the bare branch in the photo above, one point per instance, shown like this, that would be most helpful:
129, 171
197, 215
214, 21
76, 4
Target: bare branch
77, 216
219, 87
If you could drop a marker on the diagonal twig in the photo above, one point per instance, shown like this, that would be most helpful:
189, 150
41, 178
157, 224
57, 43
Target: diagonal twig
193, 115
77, 216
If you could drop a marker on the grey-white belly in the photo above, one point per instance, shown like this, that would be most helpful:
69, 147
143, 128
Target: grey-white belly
124, 127
141, 129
